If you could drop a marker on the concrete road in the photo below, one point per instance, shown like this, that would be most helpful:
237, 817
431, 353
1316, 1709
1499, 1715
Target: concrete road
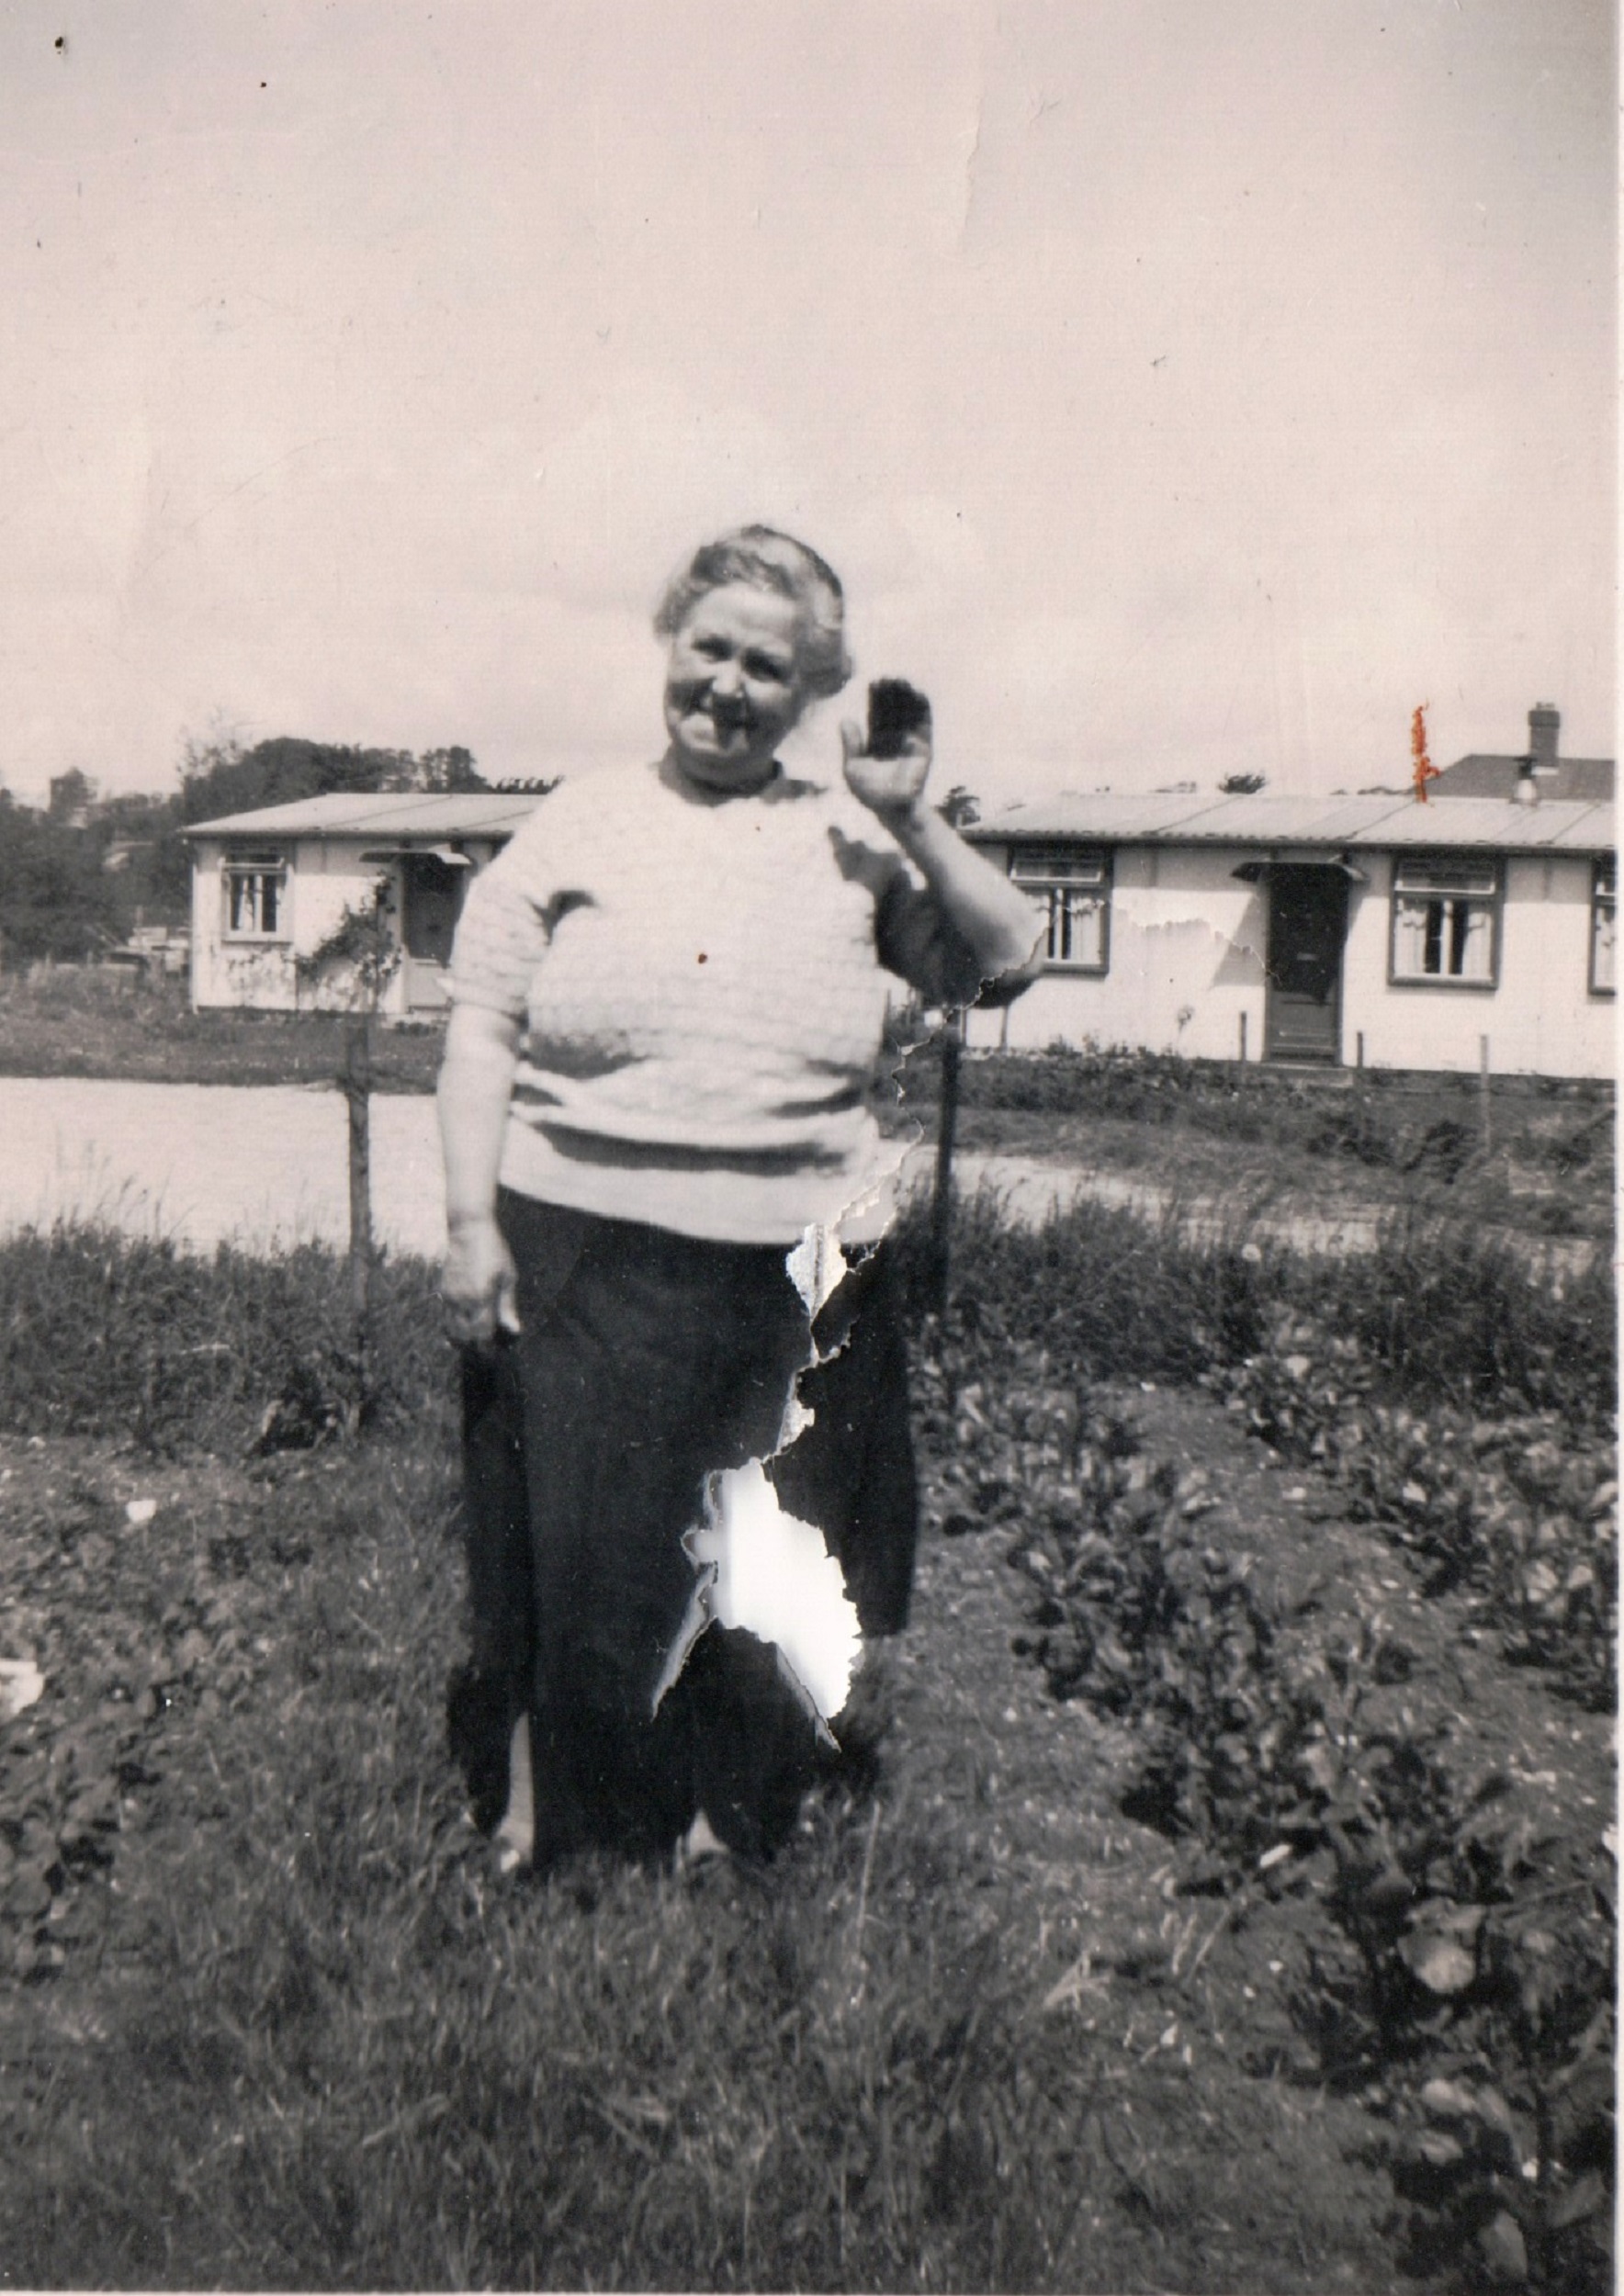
255, 1166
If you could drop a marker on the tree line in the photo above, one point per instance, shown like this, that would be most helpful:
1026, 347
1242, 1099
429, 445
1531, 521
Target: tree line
80, 872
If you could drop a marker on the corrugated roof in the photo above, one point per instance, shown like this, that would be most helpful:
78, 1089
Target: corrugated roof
1102, 814
1265, 820
1104, 817
381, 812
1593, 830
1485, 821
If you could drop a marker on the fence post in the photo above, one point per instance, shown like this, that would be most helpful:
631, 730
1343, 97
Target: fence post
942, 1203
358, 1087
1243, 1039
1483, 1086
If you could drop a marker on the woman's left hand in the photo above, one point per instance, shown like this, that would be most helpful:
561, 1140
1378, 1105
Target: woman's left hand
890, 787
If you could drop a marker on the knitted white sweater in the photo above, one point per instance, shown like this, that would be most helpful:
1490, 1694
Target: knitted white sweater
703, 978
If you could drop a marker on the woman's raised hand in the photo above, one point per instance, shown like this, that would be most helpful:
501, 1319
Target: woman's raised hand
479, 1283
890, 787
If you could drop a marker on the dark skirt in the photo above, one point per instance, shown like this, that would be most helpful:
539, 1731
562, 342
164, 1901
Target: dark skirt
647, 1360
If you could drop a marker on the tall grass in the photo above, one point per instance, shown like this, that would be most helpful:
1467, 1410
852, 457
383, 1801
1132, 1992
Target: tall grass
101, 1334
1444, 1315
104, 1334
385, 2074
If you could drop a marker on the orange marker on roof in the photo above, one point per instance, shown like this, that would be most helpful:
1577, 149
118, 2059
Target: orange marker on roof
1424, 771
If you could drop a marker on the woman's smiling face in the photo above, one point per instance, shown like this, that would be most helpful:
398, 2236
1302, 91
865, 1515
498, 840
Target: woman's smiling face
734, 685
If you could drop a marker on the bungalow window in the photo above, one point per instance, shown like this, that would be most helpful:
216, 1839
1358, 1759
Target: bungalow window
1075, 884
1603, 905
256, 896
1446, 917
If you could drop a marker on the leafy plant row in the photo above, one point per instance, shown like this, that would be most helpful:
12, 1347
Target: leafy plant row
1464, 1404
1460, 1966
179, 1643
1511, 1505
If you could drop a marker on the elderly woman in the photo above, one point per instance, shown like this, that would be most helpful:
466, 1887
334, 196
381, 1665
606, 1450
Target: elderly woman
667, 1000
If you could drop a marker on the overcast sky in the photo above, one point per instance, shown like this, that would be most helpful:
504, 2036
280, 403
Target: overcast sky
1179, 389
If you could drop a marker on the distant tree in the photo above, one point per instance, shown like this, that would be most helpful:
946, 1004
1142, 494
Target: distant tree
961, 808
222, 777
71, 795
76, 876
1242, 784
145, 859
55, 899
217, 780
447, 771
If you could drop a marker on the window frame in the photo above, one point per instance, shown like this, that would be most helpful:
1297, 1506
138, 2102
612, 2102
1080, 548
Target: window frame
1055, 869
262, 865
1430, 871
1603, 902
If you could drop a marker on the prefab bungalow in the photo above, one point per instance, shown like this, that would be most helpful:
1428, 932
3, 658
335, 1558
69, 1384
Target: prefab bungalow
1373, 931
271, 888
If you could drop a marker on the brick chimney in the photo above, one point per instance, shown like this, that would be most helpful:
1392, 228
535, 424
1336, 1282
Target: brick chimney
1544, 724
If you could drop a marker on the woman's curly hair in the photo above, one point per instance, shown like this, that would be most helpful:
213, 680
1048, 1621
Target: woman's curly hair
777, 562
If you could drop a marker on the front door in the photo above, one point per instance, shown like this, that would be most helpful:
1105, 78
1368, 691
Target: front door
432, 891
1307, 924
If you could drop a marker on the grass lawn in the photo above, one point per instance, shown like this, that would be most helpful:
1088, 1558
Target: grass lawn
102, 1020
1002, 2019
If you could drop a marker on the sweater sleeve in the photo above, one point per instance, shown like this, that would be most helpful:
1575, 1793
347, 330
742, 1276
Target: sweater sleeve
501, 937
916, 940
